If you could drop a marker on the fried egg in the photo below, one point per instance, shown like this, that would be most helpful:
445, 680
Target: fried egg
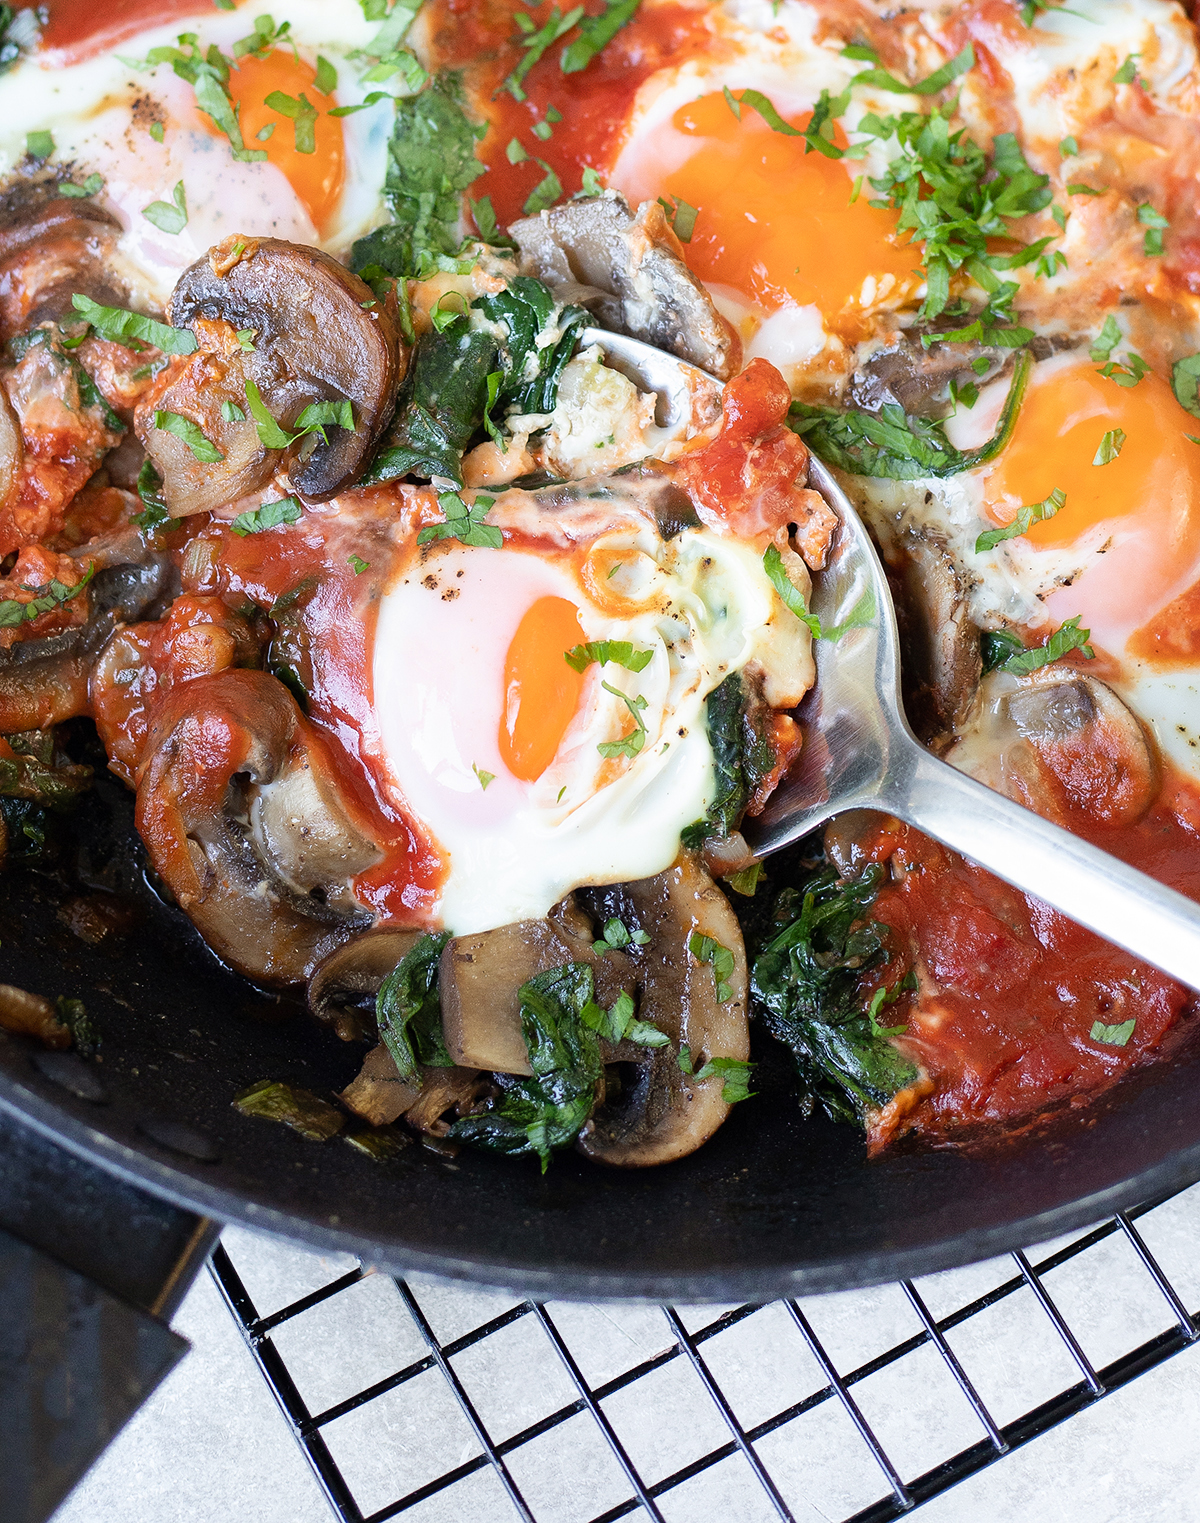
1119, 553
100, 112
534, 777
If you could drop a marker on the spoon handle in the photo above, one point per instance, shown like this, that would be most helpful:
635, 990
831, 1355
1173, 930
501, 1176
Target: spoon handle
1091, 887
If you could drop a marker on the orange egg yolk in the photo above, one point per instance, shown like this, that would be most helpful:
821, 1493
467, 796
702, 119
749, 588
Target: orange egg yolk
541, 692
1059, 430
774, 222
317, 177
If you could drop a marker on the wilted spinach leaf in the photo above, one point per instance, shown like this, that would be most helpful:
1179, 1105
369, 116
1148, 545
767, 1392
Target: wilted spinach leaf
409, 1011
805, 982
548, 1110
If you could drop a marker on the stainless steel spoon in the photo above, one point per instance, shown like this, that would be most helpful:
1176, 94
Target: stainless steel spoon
859, 752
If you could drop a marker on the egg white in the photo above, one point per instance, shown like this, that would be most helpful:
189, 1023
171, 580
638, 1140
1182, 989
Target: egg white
514, 848
88, 106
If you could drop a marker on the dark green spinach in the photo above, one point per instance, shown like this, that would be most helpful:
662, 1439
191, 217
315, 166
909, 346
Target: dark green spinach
409, 1011
548, 1110
805, 982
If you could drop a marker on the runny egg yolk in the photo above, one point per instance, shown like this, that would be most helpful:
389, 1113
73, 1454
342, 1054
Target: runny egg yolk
541, 692
774, 222
317, 177
1060, 431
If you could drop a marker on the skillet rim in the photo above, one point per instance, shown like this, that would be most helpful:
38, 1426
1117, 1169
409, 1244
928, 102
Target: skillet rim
1177, 1170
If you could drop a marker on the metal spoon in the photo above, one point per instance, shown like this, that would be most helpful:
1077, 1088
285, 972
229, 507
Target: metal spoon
859, 752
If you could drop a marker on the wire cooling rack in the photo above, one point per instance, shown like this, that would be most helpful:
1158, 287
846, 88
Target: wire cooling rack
419, 1395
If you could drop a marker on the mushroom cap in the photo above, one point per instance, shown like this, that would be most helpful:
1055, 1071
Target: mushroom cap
216, 740
666, 1114
632, 272
1062, 743
357, 968
319, 335
51, 247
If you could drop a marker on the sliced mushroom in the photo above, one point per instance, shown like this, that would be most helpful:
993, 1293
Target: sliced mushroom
218, 741
318, 335
1060, 742
480, 977
354, 972
51, 247
942, 663
12, 447
446, 1089
663, 1113
45, 681
631, 271
379, 1095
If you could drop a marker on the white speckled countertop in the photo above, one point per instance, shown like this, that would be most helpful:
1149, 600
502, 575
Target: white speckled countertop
211, 1445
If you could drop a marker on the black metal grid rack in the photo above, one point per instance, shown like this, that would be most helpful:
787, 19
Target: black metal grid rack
744, 1424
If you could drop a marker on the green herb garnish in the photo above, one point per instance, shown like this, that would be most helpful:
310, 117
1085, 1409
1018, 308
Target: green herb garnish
464, 523
14, 613
132, 329
191, 433
629, 745
620, 652
169, 216
1110, 446
1112, 1036
1026, 517
280, 510
705, 949
408, 1010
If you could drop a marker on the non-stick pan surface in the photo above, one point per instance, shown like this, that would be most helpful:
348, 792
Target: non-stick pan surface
774, 1205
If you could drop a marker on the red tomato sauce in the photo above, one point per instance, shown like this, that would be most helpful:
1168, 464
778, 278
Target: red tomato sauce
79, 29
483, 40
1009, 989
339, 618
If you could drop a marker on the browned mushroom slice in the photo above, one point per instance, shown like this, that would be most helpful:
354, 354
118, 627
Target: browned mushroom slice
51, 247
1060, 741
219, 740
46, 681
354, 972
632, 273
318, 335
379, 1095
942, 663
480, 978
444, 1090
12, 447
661, 1113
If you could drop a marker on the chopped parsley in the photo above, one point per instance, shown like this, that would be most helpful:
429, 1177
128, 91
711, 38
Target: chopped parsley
1026, 517
192, 435
960, 64
616, 935
327, 77
746, 881
1068, 147
484, 777
733, 1071
280, 510
791, 595
302, 114
92, 186
155, 515
1185, 382
1112, 1036
1127, 74
617, 1023
705, 949
596, 32
620, 652
464, 523
1126, 372
232, 413
169, 216
1110, 446
757, 101
39, 145
629, 745
358, 565
132, 329
547, 191
681, 215
1106, 340
14, 612
315, 418
536, 41
1154, 223
1002, 651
